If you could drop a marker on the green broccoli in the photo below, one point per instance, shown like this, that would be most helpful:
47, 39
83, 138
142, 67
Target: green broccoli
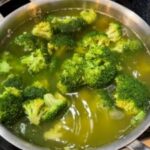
134, 45
13, 81
54, 133
60, 43
42, 83
40, 110
91, 39
127, 45
9, 63
42, 30
36, 90
30, 42
67, 24
35, 61
104, 99
10, 105
71, 74
26, 40
100, 67
131, 95
54, 104
138, 118
89, 16
5, 67
34, 110
114, 32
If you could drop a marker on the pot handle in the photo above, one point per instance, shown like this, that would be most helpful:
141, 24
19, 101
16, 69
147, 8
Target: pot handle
136, 145
7, 6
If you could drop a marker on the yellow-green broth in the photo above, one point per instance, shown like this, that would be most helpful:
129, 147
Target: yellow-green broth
85, 124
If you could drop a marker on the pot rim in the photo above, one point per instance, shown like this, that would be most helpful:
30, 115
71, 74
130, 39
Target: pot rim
135, 133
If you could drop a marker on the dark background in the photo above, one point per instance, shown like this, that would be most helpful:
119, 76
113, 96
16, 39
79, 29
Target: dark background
141, 7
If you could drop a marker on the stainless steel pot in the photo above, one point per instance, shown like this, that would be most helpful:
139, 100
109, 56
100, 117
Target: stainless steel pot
107, 7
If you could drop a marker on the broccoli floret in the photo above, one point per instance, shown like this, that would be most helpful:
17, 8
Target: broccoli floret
42, 30
89, 16
41, 83
127, 45
114, 32
5, 67
60, 43
120, 46
9, 63
30, 42
71, 75
26, 40
13, 81
134, 45
54, 104
37, 90
39, 110
10, 105
100, 67
67, 24
106, 102
93, 38
131, 95
34, 110
138, 118
35, 61
104, 99
54, 133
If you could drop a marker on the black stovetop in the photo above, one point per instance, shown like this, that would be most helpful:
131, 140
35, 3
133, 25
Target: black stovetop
141, 7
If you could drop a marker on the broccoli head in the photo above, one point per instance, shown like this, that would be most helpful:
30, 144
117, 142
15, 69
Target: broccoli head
37, 90
30, 42
10, 105
40, 110
34, 110
54, 133
127, 45
35, 61
114, 32
67, 24
104, 99
100, 67
13, 81
134, 45
54, 104
60, 43
120, 46
71, 75
89, 16
26, 40
93, 38
131, 95
5, 67
42, 30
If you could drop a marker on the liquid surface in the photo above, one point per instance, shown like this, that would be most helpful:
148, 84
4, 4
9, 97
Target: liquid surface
85, 124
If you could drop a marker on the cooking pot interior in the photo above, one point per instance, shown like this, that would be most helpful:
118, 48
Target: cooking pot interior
128, 18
